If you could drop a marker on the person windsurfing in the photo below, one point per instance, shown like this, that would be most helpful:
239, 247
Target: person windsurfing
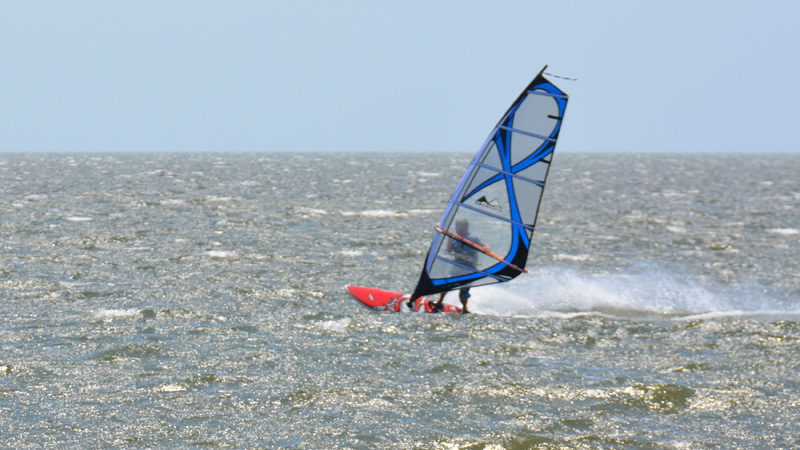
464, 254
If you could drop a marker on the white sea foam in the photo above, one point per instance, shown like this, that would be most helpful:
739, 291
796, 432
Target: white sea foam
79, 219
171, 387
733, 224
670, 194
389, 212
336, 325
572, 258
784, 231
216, 198
312, 211
172, 202
374, 213
220, 253
424, 211
159, 173
351, 252
110, 314
557, 292
740, 313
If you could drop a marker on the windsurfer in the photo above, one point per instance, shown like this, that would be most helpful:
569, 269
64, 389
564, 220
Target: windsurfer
464, 254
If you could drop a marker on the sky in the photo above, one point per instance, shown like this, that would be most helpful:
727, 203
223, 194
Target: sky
369, 76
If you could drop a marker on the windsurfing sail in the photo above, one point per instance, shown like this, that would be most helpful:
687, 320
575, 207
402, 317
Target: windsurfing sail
494, 208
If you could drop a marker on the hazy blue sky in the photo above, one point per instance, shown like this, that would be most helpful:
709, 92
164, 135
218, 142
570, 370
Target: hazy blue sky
394, 75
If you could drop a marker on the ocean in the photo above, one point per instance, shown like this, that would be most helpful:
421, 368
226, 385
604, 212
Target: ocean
186, 300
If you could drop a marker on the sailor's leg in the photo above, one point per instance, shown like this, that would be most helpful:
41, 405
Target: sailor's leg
464, 295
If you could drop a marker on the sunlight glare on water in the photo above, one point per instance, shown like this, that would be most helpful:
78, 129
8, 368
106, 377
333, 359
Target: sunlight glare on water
175, 300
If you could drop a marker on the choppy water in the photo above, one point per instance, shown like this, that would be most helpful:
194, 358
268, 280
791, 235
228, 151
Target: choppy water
192, 300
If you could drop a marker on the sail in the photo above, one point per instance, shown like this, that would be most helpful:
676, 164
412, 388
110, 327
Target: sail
494, 207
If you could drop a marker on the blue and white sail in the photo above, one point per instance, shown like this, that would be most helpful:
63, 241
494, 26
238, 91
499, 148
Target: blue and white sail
499, 196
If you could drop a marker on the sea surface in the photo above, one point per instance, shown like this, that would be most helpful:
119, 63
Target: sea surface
184, 300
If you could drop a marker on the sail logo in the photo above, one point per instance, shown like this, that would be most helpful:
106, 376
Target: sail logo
491, 204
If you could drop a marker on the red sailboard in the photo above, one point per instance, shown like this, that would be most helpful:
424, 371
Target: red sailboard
395, 301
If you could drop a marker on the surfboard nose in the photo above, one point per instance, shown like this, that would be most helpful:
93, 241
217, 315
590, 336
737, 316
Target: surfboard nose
372, 297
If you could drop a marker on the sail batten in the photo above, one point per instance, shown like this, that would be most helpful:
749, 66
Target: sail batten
514, 175
480, 211
496, 203
563, 96
538, 136
455, 263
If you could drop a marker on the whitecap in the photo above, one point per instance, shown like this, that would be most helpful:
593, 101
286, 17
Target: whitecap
172, 201
159, 173
671, 194
424, 211
572, 258
784, 231
738, 313
78, 219
219, 254
374, 213
109, 314
215, 198
171, 387
312, 211
336, 325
